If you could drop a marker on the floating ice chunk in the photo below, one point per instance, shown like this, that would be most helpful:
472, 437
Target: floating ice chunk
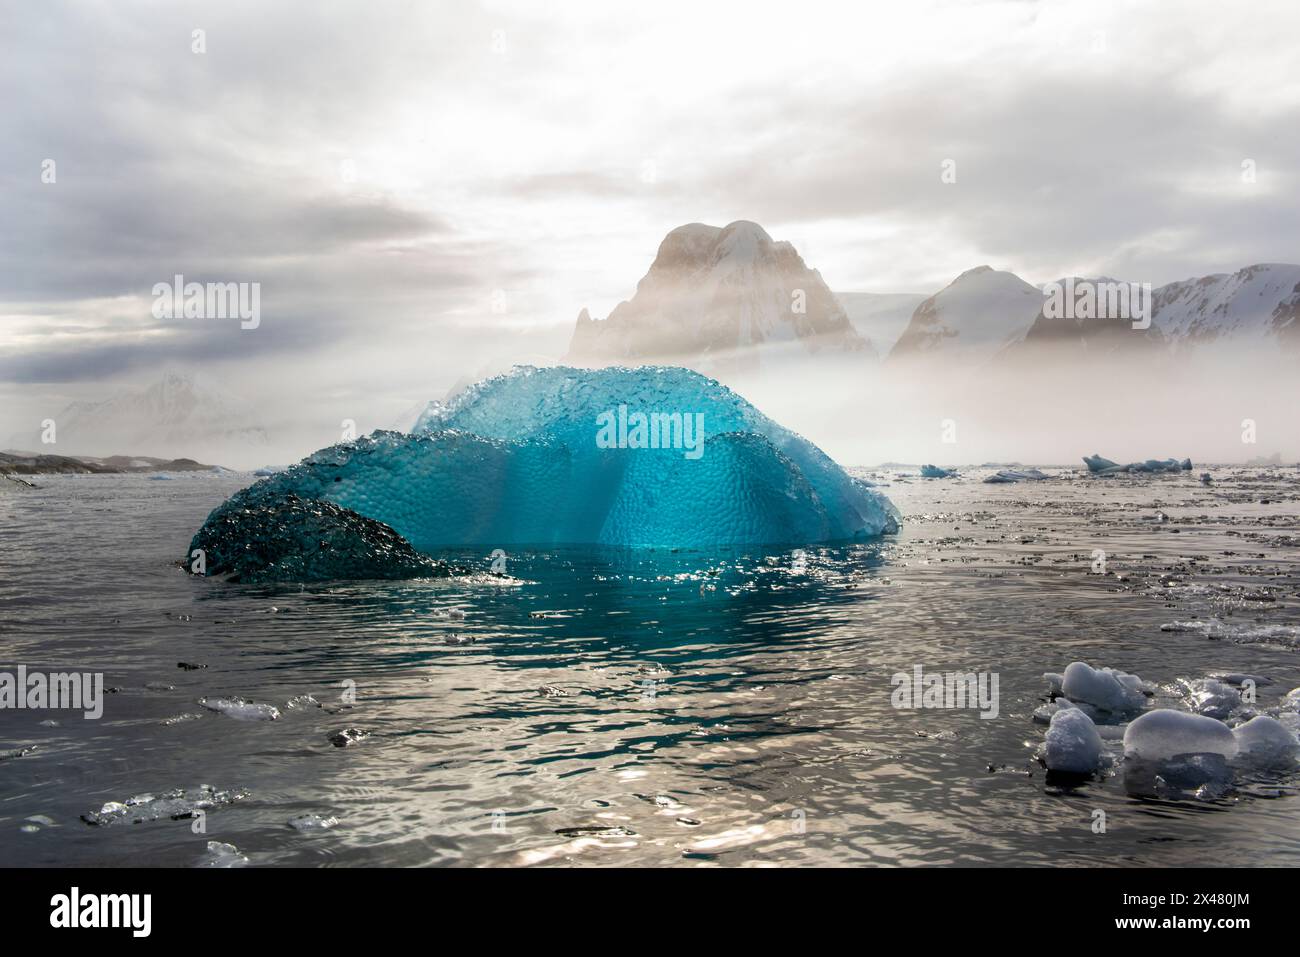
1267, 742
934, 471
240, 709
1073, 745
348, 737
313, 822
1016, 475
1100, 466
224, 855
1053, 680
1291, 701
1107, 689
1165, 734
520, 458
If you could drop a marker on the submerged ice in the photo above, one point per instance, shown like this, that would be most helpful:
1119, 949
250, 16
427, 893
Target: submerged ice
552, 456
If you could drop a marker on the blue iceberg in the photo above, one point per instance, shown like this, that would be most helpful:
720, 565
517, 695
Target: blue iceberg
624, 457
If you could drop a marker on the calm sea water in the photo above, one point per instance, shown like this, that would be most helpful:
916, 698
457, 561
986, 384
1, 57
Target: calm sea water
660, 708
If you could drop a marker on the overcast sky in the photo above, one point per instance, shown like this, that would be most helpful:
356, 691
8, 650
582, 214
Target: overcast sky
422, 187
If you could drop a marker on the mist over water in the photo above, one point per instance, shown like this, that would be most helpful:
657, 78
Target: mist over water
1038, 410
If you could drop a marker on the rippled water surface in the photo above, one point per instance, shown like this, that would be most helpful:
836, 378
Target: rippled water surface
664, 708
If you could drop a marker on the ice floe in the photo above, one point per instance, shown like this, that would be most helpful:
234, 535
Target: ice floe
1016, 475
1100, 466
224, 855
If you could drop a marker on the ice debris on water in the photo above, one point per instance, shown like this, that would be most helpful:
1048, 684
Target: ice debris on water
1005, 476
35, 823
224, 855
240, 709
348, 737
1213, 698
1243, 634
313, 822
517, 458
176, 804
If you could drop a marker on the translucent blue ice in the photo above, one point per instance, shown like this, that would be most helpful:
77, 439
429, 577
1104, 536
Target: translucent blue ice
555, 456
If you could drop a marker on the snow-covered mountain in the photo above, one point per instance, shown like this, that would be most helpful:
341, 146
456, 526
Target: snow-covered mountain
971, 318
985, 314
1256, 305
1076, 339
720, 295
172, 417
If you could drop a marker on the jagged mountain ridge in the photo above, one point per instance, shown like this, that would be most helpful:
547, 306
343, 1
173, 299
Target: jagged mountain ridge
717, 293
984, 314
714, 294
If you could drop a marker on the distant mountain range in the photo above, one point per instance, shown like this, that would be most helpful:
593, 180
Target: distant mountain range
733, 296
173, 417
985, 314
15, 462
